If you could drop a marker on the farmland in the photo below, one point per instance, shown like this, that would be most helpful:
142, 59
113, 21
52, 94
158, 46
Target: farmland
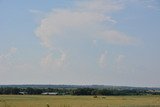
78, 101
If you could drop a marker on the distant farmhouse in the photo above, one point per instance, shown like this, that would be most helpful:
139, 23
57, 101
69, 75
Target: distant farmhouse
49, 93
23, 93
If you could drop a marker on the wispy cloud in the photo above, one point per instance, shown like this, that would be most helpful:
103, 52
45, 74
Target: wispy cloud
34, 11
100, 6
13, 50
120, 59
152, 4
116, 37
53, 61
121, 65
103, 60
10, 52
5, 59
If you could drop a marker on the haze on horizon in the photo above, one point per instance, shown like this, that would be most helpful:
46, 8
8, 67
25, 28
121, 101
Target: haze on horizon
82, 42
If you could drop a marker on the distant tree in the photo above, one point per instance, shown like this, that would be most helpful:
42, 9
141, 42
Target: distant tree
30, 90
15, 90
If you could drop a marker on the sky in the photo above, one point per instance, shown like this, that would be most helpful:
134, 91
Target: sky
80, 42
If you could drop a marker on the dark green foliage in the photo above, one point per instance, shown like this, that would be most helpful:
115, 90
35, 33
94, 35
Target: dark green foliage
77, 91
83, 91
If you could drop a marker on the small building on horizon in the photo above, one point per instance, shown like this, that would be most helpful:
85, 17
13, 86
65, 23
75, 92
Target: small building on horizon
49, 93
23, 93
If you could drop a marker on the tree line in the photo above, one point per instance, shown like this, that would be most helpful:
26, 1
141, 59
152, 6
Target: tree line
75, 91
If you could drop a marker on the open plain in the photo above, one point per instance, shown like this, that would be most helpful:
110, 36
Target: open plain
78, 101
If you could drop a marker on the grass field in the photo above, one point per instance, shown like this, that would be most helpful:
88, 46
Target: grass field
78, 101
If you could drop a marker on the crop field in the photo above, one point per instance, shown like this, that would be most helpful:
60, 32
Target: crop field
78, 101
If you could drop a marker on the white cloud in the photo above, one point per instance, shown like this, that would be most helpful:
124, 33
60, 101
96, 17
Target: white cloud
103, 59
151, 4
120, 63
5, 59
116, 37
91, 18
59, 21
94, 41
101, 6
13, 50
120, 59
90, 15
153, 7
34, 11
53, 61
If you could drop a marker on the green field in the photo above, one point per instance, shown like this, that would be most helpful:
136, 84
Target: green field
78, 101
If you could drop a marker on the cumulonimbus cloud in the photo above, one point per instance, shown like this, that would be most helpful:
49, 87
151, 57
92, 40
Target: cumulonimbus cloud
91, 18
92, 15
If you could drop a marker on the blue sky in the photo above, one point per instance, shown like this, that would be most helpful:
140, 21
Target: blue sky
109, 42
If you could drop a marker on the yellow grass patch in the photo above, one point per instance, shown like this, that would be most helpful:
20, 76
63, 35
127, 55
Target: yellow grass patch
78, 101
